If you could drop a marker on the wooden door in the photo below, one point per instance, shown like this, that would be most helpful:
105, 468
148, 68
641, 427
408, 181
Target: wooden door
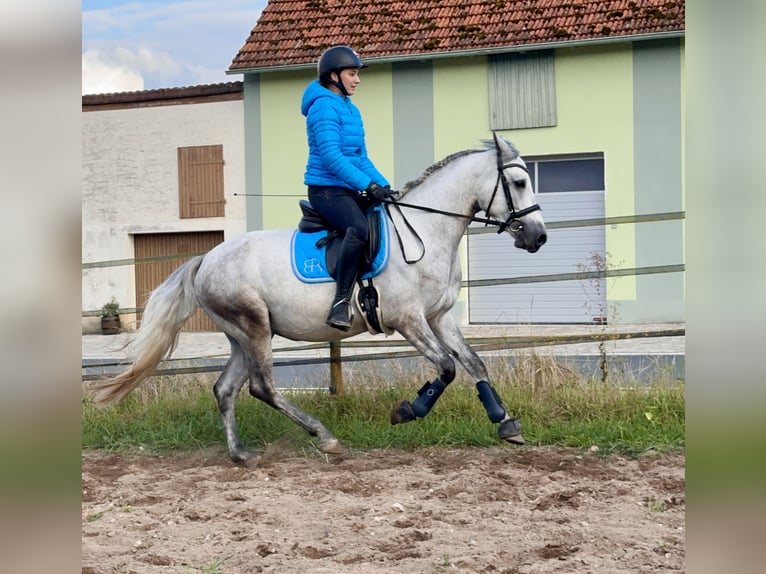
151, 273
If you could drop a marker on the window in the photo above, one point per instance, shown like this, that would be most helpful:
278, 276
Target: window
522, 90
200, 181
570, 173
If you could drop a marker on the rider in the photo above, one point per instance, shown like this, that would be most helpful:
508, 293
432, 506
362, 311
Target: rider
338, 168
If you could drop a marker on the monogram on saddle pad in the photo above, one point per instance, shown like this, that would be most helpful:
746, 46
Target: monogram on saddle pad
315, 246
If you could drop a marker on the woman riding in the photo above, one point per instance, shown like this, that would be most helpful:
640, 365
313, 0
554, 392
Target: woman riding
341, 178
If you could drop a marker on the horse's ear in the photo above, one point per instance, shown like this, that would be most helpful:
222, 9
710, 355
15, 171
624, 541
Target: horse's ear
505, 147
501, 144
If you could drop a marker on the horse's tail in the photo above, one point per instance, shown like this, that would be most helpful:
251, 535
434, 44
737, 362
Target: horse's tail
168, 307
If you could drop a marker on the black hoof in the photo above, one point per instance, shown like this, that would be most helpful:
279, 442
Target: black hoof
402, 413
510, 431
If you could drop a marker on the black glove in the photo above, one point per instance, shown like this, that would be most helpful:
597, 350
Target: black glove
377, 192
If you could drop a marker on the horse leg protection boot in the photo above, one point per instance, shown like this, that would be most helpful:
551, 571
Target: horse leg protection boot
428, 394
491, 402
509, 429
427, 397
346, 270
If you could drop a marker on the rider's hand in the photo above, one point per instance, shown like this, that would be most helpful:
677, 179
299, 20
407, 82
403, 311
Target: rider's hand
378, 192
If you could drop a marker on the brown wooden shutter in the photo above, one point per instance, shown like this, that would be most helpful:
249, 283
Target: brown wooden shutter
200, 181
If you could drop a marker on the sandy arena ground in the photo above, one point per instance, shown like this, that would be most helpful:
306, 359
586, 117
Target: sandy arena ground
504, 510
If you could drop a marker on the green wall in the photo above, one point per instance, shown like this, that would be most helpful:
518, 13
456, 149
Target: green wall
618, 99
658, 179
276, 145
253, 161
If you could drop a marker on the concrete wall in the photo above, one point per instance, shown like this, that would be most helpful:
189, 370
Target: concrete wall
130, 185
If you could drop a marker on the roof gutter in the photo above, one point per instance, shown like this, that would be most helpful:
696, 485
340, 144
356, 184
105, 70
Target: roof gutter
480, 52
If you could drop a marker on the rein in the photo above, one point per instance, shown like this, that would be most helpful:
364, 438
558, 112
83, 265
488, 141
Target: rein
514, 215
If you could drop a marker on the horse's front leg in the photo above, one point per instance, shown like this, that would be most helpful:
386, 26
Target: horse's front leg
420, 336
451, 337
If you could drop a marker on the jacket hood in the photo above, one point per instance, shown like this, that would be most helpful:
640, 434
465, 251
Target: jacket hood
313, 92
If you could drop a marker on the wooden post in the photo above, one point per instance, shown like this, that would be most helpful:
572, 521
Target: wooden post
336, 369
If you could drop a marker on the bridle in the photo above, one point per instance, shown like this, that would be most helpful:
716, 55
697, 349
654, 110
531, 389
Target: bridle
501, 179
513, 215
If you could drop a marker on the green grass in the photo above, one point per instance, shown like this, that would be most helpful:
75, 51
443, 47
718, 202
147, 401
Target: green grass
556, 407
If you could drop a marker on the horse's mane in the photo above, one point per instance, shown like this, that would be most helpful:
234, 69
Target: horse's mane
487, 144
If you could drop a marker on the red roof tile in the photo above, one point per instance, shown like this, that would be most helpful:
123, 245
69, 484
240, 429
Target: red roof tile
164, 96
295, 32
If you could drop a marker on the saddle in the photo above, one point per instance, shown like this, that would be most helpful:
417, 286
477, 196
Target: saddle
316, 241
312, 222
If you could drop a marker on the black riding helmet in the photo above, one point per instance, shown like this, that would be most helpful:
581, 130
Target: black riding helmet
336, 59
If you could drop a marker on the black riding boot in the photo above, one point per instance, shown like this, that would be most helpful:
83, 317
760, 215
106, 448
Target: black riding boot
345, 273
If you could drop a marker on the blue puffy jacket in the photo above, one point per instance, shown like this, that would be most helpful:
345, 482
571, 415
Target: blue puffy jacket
337, 151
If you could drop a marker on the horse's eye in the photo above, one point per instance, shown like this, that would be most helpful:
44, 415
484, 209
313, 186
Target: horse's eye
520, 183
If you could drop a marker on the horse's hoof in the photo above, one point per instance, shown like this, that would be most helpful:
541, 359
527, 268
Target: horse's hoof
243, 456
510, 431
518, 439
402, 413
331, 446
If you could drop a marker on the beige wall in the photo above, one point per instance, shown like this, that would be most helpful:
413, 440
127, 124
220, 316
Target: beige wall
130, 185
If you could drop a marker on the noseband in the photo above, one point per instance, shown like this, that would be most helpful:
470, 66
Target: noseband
501, 179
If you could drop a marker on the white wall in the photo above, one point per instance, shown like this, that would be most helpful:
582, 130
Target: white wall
130, 185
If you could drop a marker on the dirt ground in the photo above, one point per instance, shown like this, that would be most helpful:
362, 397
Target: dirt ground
504, 510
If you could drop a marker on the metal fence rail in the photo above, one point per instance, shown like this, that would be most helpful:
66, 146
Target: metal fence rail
479, 344
617, 220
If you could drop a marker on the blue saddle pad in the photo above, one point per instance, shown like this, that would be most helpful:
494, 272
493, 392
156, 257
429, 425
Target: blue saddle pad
308, 261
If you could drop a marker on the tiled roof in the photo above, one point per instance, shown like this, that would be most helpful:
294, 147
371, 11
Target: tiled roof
164, 93
165, 96
295, 32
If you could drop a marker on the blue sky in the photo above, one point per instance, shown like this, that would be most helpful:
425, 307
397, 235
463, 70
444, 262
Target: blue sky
149, 44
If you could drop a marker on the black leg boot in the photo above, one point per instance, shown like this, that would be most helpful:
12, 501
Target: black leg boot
345, 272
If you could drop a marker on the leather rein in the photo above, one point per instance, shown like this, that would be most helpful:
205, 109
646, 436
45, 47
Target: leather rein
514, 215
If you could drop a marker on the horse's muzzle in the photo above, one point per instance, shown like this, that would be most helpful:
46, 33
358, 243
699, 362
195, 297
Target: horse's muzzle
537, 242
529, 239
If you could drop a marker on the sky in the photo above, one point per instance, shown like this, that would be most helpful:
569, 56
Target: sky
150, 44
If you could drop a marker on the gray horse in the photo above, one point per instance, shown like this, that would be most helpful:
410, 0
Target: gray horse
248, 288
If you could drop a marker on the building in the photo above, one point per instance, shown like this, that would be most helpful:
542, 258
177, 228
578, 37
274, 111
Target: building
591, 92
161, 174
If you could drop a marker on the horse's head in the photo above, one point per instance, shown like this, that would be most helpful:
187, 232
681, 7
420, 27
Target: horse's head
521, 215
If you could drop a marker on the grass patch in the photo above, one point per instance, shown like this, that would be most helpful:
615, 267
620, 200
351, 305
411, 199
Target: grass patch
555, 405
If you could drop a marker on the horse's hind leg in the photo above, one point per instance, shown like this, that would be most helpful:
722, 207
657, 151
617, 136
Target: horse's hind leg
226, 390
262, 387
452, 338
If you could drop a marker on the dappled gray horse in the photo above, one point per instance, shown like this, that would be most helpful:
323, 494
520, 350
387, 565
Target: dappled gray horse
247, 286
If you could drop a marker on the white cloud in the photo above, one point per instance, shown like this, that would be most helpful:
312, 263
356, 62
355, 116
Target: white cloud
122, 69
104, 75
152, 62
170, 43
